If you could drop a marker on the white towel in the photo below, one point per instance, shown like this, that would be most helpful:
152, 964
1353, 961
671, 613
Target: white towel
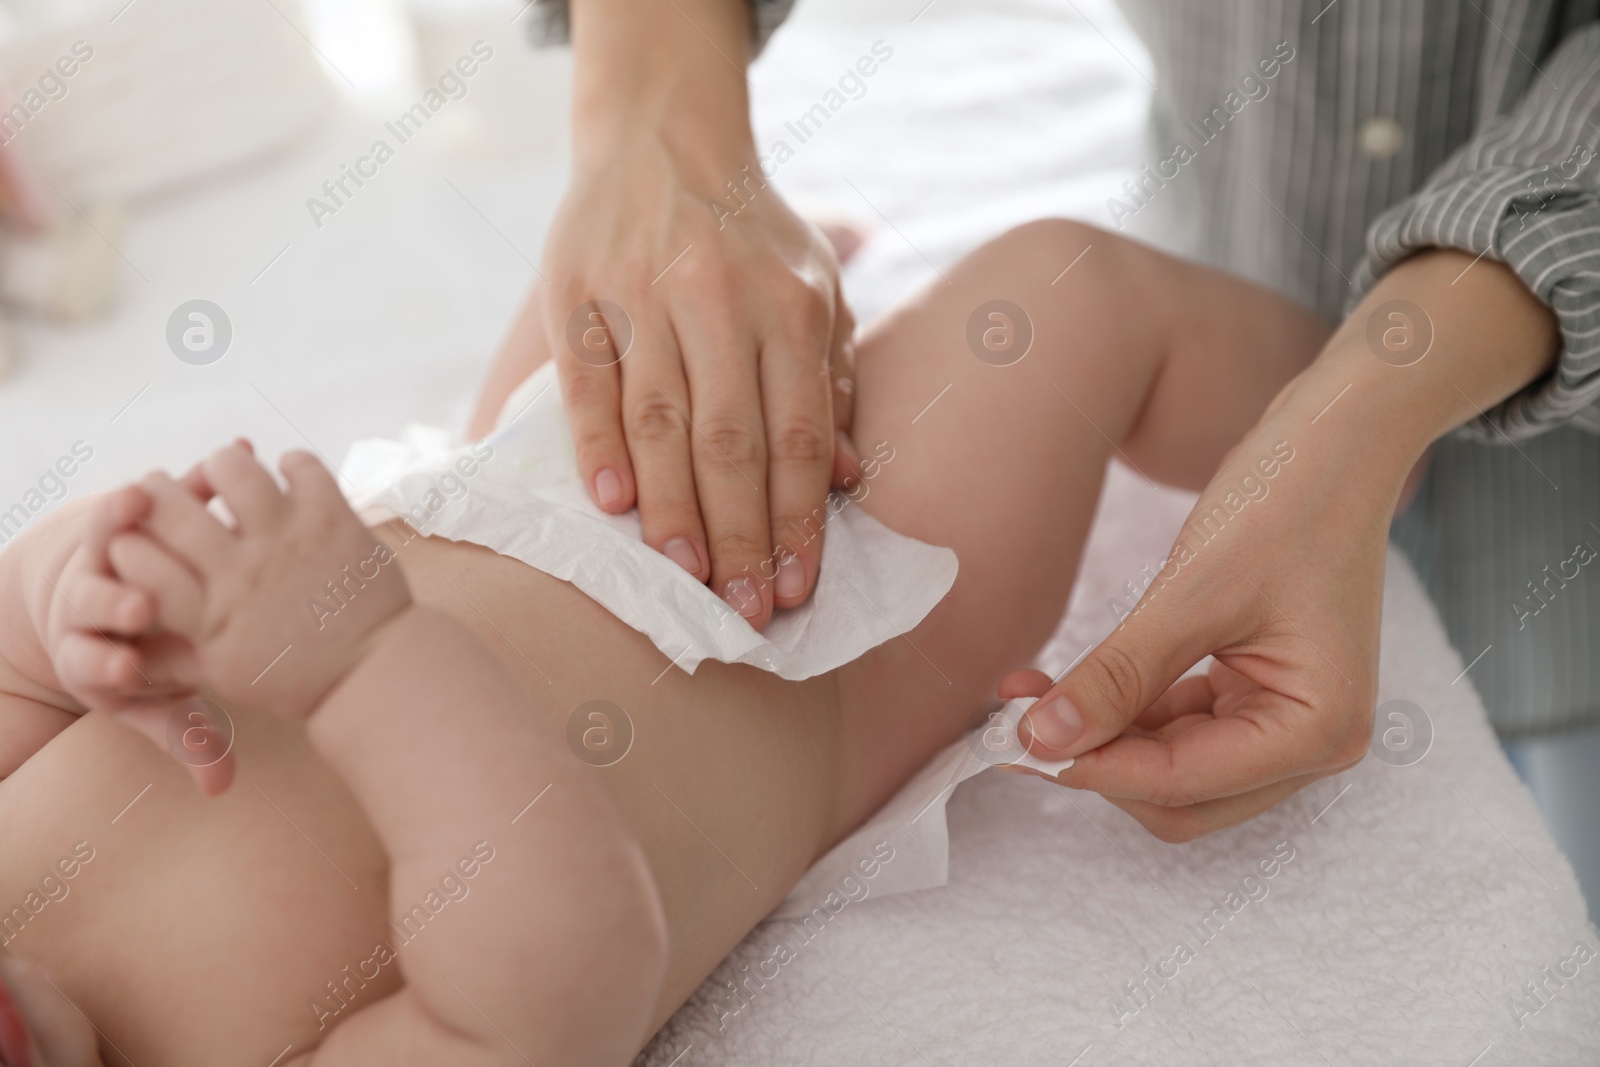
1418, 903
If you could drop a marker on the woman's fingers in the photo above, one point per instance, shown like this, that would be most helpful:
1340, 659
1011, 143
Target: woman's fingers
1117, 682
1023, 683
1268, 739
800, 441
589, 340
842, 382
1195, 820
728, 449
1185, 697
655, 417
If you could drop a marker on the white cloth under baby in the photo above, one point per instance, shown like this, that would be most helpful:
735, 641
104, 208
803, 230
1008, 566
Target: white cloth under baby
519, 492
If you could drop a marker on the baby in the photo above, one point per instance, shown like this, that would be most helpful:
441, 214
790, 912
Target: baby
559, 953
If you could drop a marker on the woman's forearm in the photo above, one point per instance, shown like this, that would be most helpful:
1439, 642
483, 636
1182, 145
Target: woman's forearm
667, 70
1438, 340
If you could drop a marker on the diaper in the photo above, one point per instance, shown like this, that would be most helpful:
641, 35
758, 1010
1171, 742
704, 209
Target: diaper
519, 493
906, 845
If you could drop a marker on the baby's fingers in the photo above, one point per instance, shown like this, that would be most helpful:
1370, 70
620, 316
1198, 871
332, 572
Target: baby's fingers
92, 665
176, 593
198, 482
105, 672
182, 524
97, 603
120, 509
190, 732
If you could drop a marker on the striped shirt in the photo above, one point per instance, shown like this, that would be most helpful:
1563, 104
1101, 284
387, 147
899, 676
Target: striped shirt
1310, 145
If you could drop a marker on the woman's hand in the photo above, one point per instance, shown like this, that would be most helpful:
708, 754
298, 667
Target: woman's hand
696, 321
710, 402
1278, 578
1278, 574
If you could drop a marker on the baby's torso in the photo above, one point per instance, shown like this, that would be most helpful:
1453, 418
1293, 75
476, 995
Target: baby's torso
218, 931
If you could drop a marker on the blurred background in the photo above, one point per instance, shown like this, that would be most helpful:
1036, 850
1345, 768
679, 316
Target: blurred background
180, 160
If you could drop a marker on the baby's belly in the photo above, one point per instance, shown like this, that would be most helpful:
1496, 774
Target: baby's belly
219, 931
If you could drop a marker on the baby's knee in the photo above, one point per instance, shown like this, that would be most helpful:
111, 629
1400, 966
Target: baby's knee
1052, 252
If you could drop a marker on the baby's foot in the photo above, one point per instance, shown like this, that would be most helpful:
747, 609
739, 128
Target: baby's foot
277, 607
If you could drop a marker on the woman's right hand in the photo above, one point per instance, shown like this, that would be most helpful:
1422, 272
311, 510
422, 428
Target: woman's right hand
696, 321
719, 422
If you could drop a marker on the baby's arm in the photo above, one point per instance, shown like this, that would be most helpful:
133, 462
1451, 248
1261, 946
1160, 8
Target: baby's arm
555, 953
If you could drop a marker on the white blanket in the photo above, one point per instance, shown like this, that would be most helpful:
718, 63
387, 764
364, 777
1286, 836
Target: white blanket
1418, 901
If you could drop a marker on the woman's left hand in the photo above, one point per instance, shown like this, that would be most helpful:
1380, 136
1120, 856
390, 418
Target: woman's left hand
1278, 573
1285, 592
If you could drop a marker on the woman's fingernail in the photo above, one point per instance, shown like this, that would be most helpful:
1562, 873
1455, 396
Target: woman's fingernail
1055, 723
608, 488
740, 593
791, 577
681, 552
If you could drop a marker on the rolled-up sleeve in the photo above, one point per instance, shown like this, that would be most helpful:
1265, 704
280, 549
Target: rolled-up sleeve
1525, 190
552, 23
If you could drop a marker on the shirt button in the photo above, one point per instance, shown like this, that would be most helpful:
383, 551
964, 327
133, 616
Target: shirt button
1380, 137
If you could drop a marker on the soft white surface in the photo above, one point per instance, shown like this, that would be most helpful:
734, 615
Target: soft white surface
1417, 904
1419, 901
526, 500
171, 94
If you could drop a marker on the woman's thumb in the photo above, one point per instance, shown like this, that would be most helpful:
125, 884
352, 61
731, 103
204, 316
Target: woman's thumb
1113, 686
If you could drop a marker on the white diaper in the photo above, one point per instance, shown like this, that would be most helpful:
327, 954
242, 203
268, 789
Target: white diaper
912, 823
518, 492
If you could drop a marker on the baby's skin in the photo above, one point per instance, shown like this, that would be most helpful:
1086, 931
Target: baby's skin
564, 946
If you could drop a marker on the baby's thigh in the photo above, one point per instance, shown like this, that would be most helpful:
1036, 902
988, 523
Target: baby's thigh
1002, 391
997, 396
1231, 347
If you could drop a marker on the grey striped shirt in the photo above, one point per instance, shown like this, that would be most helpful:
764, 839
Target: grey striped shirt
1312, 144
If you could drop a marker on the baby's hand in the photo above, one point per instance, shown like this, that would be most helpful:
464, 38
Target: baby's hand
94, 625
277, 608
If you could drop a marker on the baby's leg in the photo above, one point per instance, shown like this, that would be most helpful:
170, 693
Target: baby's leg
563, 943
1133, 353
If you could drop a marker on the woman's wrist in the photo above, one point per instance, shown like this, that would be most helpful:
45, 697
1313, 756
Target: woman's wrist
665, 73
1441, 339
